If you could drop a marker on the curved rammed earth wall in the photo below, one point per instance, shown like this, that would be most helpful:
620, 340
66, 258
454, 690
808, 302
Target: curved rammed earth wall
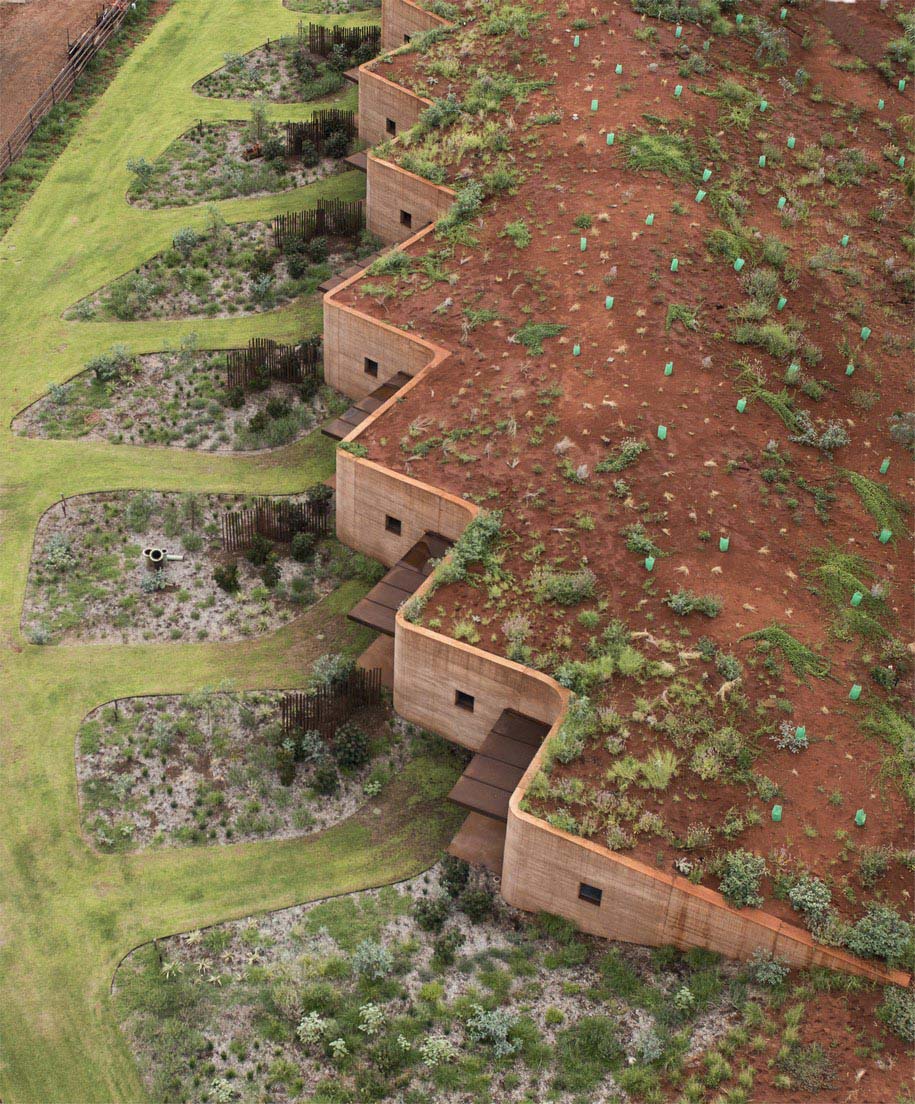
542, 866
401, 19
381, 100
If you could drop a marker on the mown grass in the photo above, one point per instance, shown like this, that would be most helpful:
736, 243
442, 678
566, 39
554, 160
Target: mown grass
69, 914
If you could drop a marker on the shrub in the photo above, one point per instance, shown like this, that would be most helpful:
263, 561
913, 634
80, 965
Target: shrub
259, 551
740, 881
303, 546
898, 1012
58, 554
108, 367
684, 602
790, 738
454, 875
811, 896
766, 970
325, 779
309, 155
312, 748
271, 573
351, 747
336, 144
274, 148
902, 429
446, 946
153, 581
568, 588
518, 233
319, 493
185, 241
226, 577
430, 913
331, 669
311, 1029
476, 904
880, 933
373, 961
436, 1050
494, 1029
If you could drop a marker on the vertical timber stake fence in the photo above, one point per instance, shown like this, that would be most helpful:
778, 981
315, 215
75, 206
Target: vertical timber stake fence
275, 519
330, 706
79, 54
265, 361
321, 40
316, 130
332, 218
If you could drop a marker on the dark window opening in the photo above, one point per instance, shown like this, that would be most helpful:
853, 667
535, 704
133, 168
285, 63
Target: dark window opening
370, 366
589, 893
390, 126
406, 38
392, 524
464, 701
406, 219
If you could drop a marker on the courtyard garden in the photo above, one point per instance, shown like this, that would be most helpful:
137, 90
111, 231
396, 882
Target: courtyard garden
284, 71
141, 566
180, 399
218, 767
222, 160
225, 269
435, 990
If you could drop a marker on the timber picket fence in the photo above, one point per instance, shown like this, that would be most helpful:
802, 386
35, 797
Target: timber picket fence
332, 218
265, 361
316, 130
321, 40
275, 519
330, 706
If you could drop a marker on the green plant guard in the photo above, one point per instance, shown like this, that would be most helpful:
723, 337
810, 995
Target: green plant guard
860, 818
611, 138
880, 105
576, 41
791, 142
885, 465
794, 370
619, 69
662, 433
739, 18
583, 244
724, 543
865, 333
649, 221
800, 732
857, 598
649, 563
608, 302
741, 405
782, 302
739, 263
674, 265
844, 240
901, 85
901, 162
777, 813
706, 175
594, 105
669, 368
576, 350
781, 203
700, 195
783, 14
678, 91
762, 160
886, 535
678, 31
763, 104
849, 369
855, 692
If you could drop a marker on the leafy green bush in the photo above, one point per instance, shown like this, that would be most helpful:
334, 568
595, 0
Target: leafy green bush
898, 1012
766, 970
325, 779
811, 896
476, 904
259, 550
430, 913
454, 875
226, 577
684, 602
303, 546
742, 871
351, 747
494, 1029
881, 933
568, 588
373, 961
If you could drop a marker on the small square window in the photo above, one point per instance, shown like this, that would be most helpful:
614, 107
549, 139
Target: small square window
392, 524
589, 893
406, 219
464, 701
370, 366
390, 126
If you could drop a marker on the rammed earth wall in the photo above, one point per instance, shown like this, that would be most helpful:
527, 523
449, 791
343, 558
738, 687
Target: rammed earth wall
543, 867
401, 19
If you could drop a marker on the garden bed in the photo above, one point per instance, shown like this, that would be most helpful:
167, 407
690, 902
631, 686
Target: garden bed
222, 160
177, 399
226, 270
434, 990
282, 71
211, 767
88, 581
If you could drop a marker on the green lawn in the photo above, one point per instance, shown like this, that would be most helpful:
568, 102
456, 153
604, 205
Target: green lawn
67, 915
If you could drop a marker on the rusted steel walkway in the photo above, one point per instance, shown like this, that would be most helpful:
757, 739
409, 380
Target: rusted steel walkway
358, 412
496, 769
379, 607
